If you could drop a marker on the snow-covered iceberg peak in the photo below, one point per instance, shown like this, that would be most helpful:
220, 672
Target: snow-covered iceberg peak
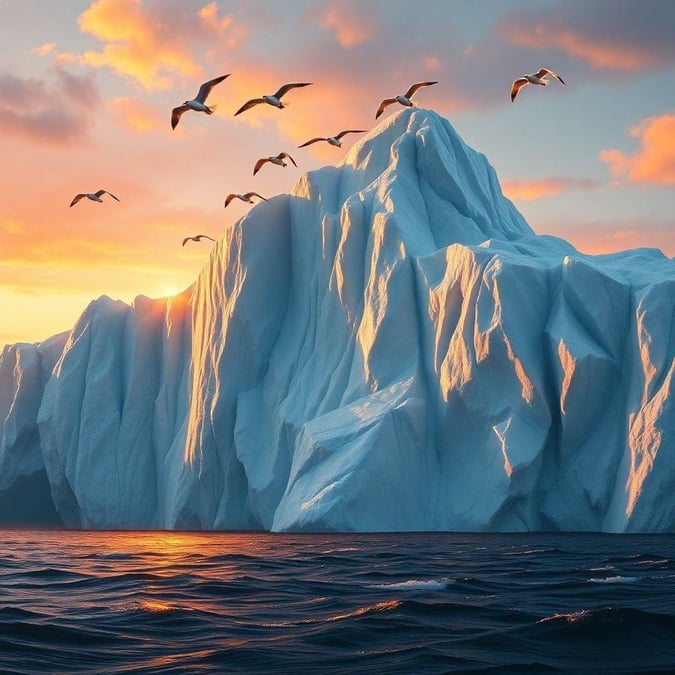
388, 347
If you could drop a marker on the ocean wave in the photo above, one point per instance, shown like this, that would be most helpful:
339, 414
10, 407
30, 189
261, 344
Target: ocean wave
614, 580
416, 585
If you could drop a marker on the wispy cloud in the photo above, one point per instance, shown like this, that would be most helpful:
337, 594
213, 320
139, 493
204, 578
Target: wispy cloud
57, 110
606, 34
604, 235
44, 49
351, 22
137, 116
529, 190
654, 161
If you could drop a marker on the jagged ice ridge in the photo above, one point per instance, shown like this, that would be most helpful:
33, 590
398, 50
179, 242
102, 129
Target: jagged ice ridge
388, 347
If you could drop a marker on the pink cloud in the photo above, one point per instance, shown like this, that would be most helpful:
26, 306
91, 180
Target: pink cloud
654, 161
43, 50
56, 111
607, 35
351, 24
529, 190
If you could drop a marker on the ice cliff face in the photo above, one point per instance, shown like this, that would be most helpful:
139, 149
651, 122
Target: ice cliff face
389, 347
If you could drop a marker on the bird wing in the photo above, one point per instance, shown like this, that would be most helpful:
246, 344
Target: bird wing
176, 113
77, 198
185, 241
349, 131
287, 156
100, 193
516, 86
287, 87
205, 89
249, 104
383, 105
545, 71
206, 236
259, 164
229, 198
314, 140
254, 194
416, 86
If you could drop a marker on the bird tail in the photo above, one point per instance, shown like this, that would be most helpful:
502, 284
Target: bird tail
210, 109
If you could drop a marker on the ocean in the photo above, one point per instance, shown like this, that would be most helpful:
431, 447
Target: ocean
188, 602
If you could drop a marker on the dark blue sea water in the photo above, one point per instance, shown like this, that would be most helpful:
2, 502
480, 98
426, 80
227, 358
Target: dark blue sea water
122, 602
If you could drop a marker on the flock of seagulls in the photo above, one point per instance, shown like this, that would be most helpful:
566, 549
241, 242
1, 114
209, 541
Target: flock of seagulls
198, 104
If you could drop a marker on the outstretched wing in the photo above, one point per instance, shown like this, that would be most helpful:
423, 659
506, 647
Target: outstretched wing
229, 198
259, 164
176, 113
416, 86
287, 87
100, 193
185, 241
254, 194
77, 198
249, 104
287, 156
383, 105
349, 131
545, 71
205, 89
314, 140
516, 87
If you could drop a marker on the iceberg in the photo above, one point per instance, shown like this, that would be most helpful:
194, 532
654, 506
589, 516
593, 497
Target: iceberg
389, 347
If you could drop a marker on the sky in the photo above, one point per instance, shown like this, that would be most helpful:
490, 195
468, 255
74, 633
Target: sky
86, 94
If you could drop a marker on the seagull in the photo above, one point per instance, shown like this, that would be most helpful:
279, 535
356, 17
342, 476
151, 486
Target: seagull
272, 99
334, 140
277, 159
246, 197
533, 78
94, 196
404, 99
197, 237
198, 103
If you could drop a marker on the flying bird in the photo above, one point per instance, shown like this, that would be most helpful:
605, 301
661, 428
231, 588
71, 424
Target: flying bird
403, 99
532, 78
197, 237
246, 197
334, 140
198, 103
272, 99
277, 159
94, 196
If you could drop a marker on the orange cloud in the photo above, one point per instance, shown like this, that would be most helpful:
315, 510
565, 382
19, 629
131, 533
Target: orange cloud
138, 44
43, 50
654, 160
135, 115
350, 28
598, 52
529, 190
609, 236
